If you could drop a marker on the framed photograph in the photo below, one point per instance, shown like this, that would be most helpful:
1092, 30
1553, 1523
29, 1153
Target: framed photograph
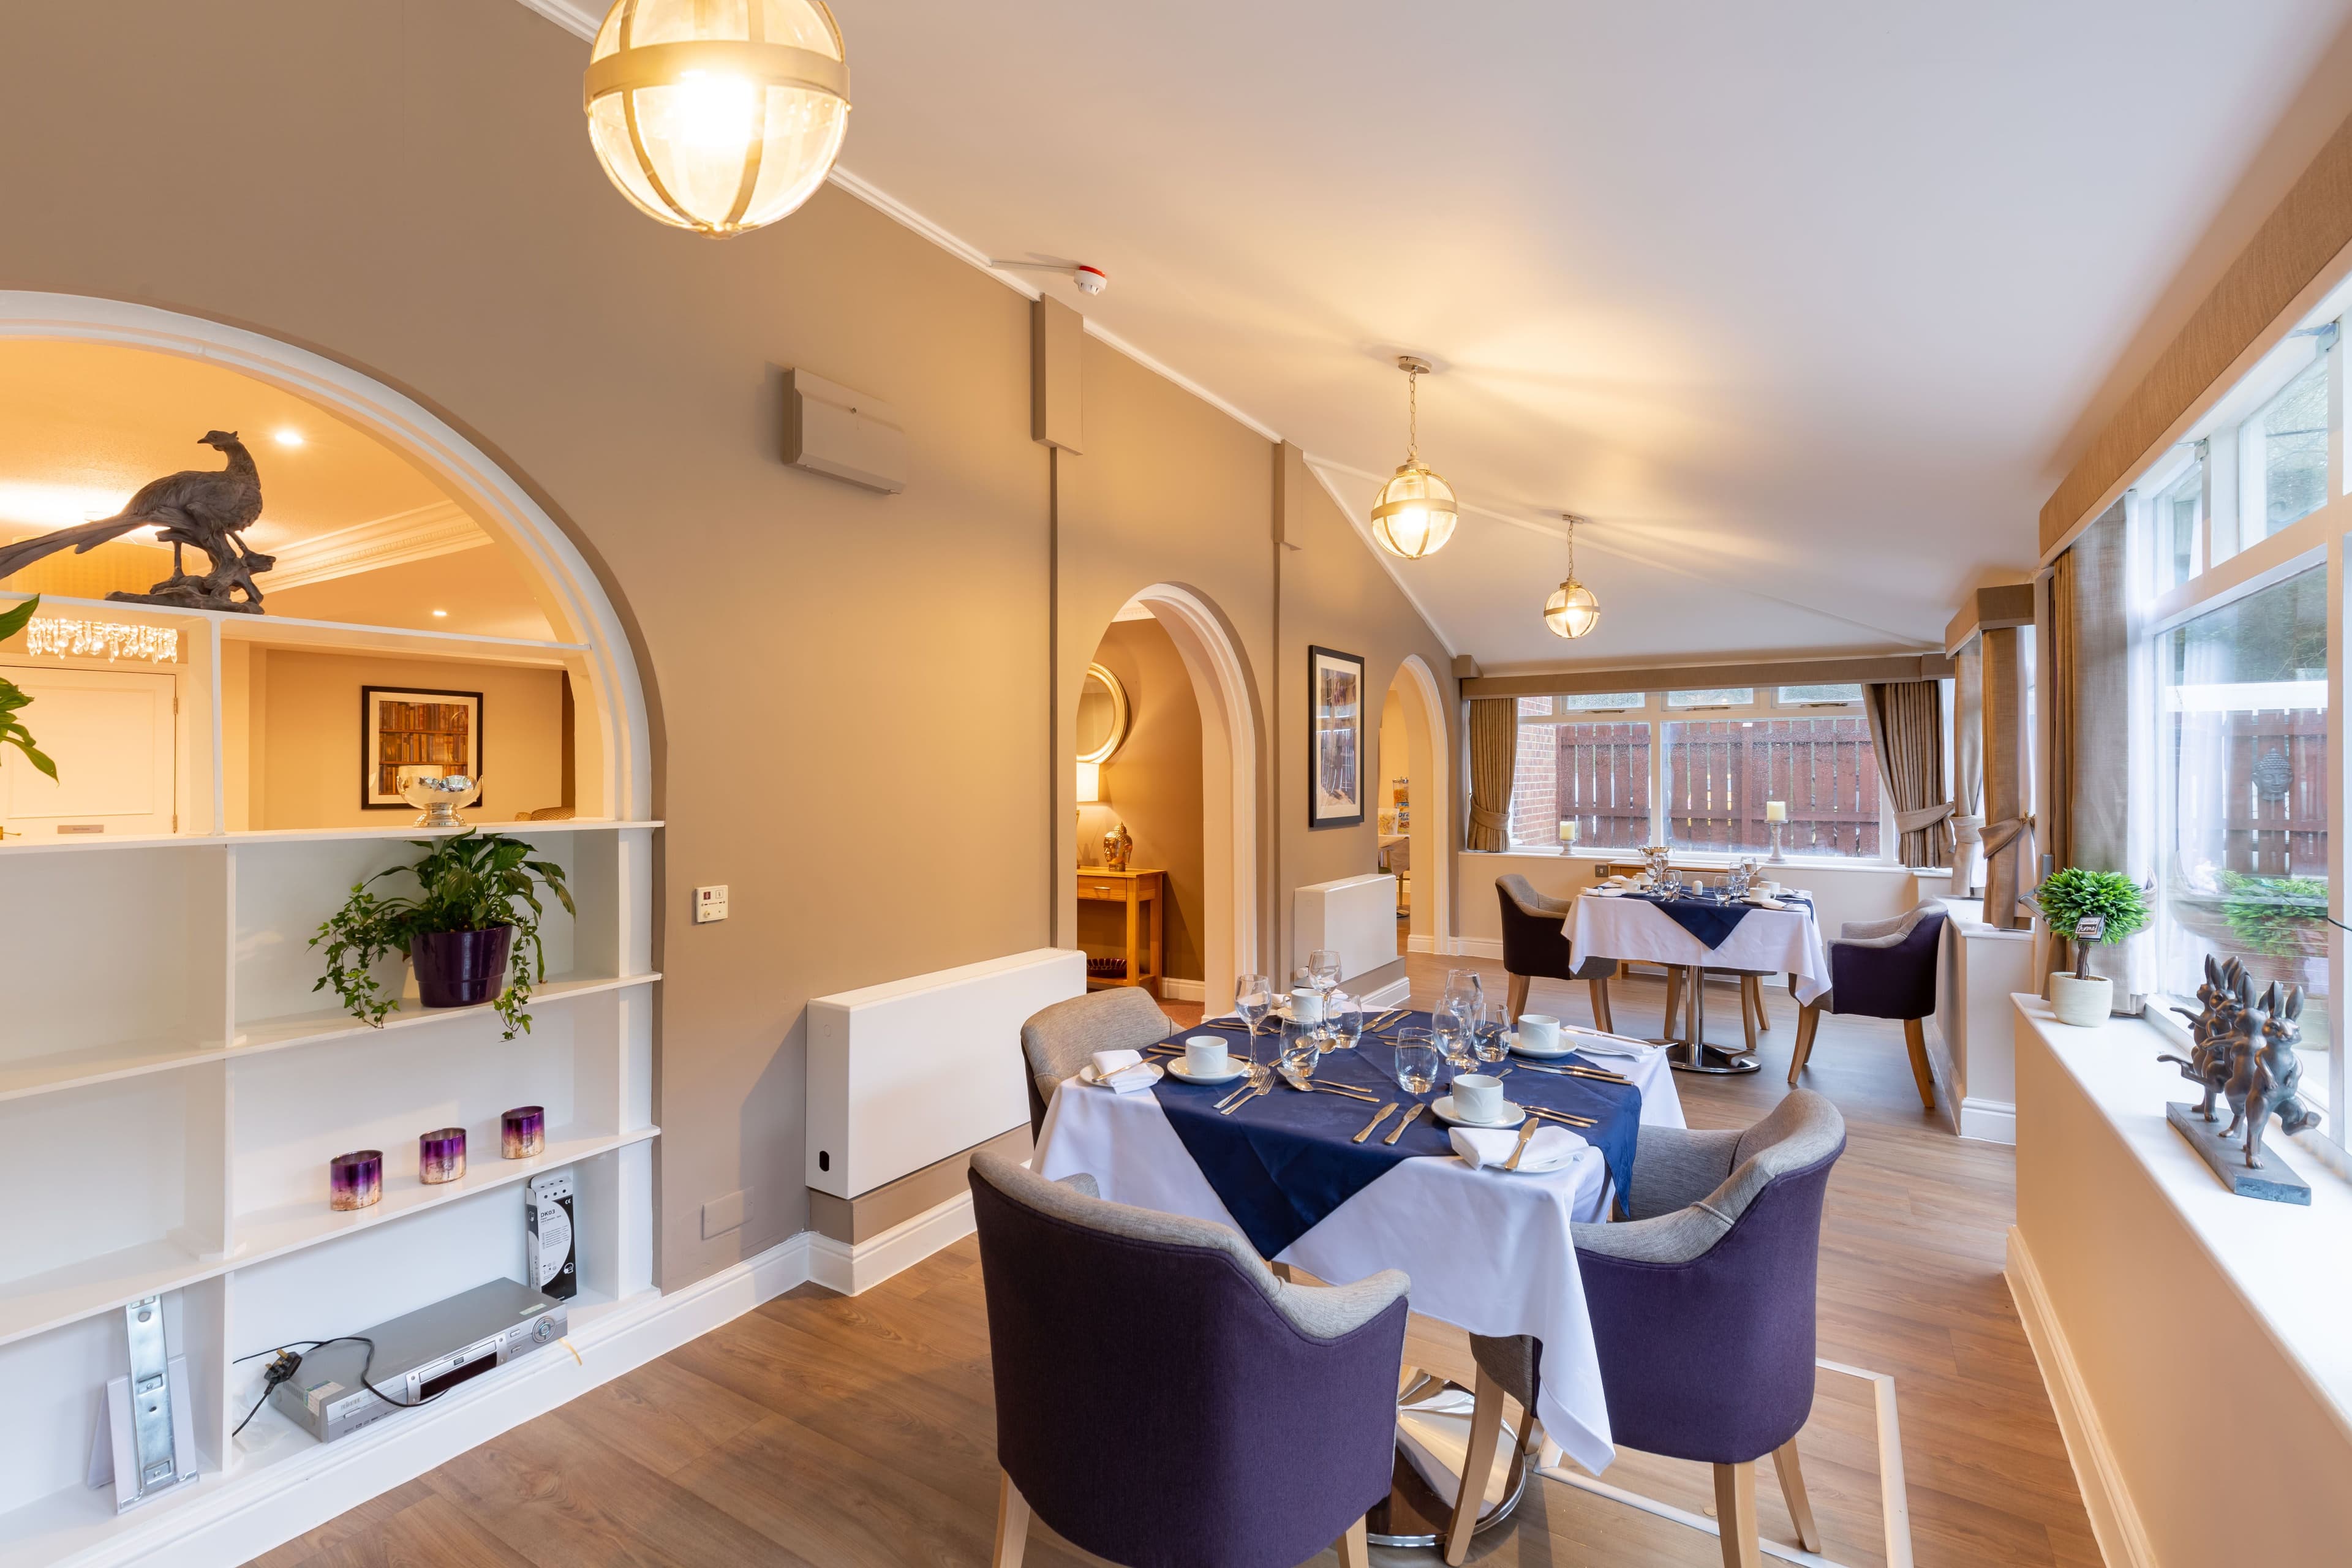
1335, 764
405, 733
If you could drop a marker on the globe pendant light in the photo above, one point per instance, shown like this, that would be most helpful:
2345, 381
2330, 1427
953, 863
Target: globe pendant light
718, 115
1572, 611
1414, 513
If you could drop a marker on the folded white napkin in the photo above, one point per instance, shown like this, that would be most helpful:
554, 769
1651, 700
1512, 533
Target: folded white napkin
1551, 1148
1123, 1070
1765, 901
1600, 1045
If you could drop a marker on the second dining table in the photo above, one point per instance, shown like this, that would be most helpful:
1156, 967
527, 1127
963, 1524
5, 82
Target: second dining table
1699, 934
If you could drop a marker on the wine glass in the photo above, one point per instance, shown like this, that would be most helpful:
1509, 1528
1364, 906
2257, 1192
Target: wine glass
1418, 1059
1323, 968
1253, 1000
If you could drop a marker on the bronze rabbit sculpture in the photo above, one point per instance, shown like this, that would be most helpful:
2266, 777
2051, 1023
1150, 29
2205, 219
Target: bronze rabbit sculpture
2206, 1064
2265, 1069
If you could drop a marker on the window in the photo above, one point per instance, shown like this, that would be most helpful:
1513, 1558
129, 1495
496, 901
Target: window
1719, 774
1718, 697
2242, 800
2178, 518
1818, 696
1604, 703
2282, 455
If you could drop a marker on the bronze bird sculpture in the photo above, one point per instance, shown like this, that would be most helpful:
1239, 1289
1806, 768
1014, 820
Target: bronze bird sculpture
206, 508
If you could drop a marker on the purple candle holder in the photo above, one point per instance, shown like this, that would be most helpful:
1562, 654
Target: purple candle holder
441, 1156
522, 1132
355, 1181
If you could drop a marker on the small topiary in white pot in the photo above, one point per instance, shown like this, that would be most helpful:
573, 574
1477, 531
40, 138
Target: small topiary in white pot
2069, 899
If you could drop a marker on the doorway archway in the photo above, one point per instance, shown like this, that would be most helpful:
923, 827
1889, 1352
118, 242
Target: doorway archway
1422, 704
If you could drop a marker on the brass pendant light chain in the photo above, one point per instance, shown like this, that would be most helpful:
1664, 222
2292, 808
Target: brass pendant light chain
1412, 414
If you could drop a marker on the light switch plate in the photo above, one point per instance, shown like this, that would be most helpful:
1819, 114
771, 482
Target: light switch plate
721, 1216
710, 904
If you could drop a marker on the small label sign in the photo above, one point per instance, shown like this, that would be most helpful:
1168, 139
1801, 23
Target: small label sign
2090, 927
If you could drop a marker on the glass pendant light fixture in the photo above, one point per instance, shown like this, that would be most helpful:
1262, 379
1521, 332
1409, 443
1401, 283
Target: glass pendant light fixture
1414, 513
718, 115
1572, 611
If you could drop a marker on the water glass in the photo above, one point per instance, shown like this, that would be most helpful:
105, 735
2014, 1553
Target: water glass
1253, 1000
1489, 1045
1343, 1022
1419, 1060
1301, 1048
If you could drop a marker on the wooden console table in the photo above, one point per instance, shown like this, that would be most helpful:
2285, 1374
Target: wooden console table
1134, 889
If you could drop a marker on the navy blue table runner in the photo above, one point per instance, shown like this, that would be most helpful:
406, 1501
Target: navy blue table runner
1286, 1160
1705, 917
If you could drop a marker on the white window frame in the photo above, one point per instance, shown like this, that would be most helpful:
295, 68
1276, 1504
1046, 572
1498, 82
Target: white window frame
1657, 715
2231, 572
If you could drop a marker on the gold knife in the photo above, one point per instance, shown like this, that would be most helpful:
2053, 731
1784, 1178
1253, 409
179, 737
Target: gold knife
1562, 1116
1527, 1131
1375, 1121
1398, 1130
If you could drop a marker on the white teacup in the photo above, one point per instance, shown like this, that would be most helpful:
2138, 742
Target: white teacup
1477, 1097
1539, 1031
1206, 1056
1307, 1006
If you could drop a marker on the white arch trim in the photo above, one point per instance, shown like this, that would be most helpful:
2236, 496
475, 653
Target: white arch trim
1434, 805
468, 474
1199, 635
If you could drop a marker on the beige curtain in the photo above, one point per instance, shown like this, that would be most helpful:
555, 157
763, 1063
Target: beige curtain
2008, 827
1968, 773
1906, 730
1494, 749
2064, 688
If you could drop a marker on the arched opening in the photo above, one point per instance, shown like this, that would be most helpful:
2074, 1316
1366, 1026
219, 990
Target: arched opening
1221, 693
1415, 803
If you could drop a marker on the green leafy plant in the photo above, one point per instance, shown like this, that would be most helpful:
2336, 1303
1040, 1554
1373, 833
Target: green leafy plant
2068, 897
12, 696
475, 881
2277, 917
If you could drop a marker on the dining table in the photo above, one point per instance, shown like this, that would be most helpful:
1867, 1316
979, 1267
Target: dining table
1488, 1250
1696, 932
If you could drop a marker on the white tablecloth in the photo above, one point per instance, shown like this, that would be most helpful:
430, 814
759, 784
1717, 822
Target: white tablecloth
1487, 1251
1777, 941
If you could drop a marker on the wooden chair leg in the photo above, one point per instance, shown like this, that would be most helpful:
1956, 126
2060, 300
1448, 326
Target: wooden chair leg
1485, 1428
1517, 1003
1792, 1492
1674, 1000
1915, 1039
1012, 1524
1748, 1011
1755, 989
1808, 1022
1600, 1018
1734, 1511
1354, 1551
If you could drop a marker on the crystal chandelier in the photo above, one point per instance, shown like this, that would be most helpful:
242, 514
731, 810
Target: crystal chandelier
1414, 513
1572, 611
718, 118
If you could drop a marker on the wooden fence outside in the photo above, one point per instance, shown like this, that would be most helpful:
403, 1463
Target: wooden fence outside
1718, 774
2275, 793
1604, 783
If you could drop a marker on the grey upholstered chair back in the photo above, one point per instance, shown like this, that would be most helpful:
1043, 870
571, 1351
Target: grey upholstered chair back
1056, 1041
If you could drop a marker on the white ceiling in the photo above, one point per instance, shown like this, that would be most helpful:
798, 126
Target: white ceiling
1798, 302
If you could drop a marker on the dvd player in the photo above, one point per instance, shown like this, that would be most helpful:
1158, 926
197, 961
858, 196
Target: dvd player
428, 1351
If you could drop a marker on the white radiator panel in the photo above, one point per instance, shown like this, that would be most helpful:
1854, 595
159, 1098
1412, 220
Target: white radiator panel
1355, 915
904, 1074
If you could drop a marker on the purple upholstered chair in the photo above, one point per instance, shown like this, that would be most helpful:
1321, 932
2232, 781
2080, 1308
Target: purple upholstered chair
1162, 1399
1702, 1312
1056, 1041
1881, 969
1535, 946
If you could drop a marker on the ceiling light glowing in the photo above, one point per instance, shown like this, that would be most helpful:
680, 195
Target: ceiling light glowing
440, 614
287, 437
1572, 611
1414, 513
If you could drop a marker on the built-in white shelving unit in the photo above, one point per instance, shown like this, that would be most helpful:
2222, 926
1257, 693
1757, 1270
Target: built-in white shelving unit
171, 1086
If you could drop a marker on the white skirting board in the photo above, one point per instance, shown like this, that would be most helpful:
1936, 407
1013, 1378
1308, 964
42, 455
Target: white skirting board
1422, 944
851, 1269
1989, 1120
220, 1522
1474, 947
1184, 990
1986, 1121
1393, 994
2115, 1522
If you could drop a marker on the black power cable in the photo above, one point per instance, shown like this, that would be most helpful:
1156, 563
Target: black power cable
289, 1362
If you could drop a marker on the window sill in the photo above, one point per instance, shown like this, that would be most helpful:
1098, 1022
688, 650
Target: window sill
2290, 1265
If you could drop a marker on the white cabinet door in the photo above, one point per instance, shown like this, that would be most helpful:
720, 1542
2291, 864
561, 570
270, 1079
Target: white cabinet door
110, 732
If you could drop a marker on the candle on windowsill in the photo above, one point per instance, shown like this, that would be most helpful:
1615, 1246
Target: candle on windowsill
1567, 834
1775, 811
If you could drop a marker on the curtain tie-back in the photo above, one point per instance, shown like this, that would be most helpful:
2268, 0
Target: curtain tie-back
1965, 827
1918, 821
1999, 835
1487, 818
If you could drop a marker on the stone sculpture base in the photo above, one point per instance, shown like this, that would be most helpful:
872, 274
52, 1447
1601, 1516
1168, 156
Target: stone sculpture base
2275, 1183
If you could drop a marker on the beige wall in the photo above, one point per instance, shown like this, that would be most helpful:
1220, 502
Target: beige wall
304, 734
1154, 783
408, 189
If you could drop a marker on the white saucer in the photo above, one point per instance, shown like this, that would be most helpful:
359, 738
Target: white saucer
1443, 1109
1235, 1067
1086, 1073
1520, 1048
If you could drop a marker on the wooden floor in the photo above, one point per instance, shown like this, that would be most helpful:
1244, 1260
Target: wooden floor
836, 1431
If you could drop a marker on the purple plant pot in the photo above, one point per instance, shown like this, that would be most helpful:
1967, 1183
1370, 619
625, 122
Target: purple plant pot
461, 968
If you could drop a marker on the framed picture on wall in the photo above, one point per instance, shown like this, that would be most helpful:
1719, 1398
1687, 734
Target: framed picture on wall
1335, 764
406, 734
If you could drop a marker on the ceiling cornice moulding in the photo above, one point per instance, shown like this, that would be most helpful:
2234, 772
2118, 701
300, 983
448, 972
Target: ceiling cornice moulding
441, 529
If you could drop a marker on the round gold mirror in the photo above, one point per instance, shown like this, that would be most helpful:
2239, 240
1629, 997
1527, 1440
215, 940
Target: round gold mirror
1102, 715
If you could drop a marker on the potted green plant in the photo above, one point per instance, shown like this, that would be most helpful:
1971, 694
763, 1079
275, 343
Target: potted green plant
474, 917
2066, 899
13, 699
